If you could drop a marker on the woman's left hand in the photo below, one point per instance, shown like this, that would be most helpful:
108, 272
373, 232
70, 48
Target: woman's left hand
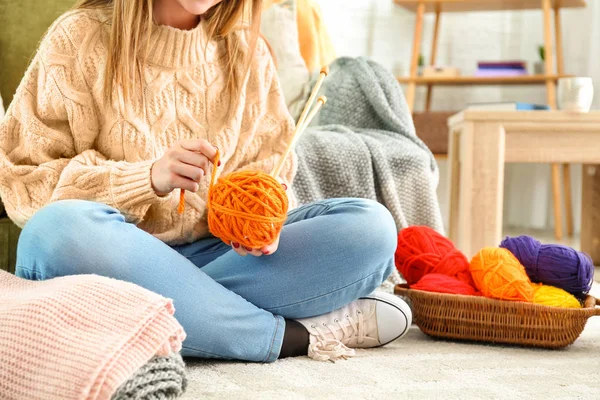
263, 251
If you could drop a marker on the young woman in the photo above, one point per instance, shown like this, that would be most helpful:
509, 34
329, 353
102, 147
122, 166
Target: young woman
124, 105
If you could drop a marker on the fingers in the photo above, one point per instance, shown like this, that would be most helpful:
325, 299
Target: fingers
270, 248
239, 249
184, 183
199, 146
191, 158
265, 250
253, 252
188, 171
182, 166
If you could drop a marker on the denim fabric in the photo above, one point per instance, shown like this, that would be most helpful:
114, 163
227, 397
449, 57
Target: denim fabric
331, 252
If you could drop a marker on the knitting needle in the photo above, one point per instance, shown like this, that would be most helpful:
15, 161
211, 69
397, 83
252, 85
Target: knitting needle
313, 95
300, 124
320, 103
300, 127
297, 133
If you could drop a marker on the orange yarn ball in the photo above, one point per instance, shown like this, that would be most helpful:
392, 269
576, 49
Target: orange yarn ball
247, 207
498, 274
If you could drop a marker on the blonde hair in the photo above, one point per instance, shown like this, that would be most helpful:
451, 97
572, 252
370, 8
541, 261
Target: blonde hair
132, 22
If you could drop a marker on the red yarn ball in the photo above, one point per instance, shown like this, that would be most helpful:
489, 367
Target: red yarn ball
441, 283
422, 251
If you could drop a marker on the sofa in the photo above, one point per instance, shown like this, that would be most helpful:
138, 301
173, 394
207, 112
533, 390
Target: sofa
22, 24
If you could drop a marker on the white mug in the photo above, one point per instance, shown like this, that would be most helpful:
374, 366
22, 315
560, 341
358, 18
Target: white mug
575, 94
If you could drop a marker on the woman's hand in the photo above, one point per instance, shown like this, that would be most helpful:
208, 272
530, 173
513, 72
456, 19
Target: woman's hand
182, 166
265, 250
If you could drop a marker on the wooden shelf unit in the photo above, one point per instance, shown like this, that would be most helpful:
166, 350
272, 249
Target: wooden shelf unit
549, 9
484, 5
481, 80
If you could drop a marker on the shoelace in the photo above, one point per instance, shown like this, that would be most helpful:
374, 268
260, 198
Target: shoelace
335, 349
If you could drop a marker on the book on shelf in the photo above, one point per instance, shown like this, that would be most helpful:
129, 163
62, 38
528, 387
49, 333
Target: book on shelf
502, 64
507, 106
501, 68
500, 72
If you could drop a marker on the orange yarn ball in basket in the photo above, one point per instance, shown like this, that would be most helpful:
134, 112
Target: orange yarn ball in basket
422, 251
498, 274
441, 283
247, 207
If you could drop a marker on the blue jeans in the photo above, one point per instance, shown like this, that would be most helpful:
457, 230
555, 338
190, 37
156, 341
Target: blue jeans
231, 307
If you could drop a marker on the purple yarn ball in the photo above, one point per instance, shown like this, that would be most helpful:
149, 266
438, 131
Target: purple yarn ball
553, 264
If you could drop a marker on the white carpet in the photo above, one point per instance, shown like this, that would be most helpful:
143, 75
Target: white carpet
415, 367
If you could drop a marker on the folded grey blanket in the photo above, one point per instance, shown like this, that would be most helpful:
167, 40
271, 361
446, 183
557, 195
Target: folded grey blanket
161, 378
363, 144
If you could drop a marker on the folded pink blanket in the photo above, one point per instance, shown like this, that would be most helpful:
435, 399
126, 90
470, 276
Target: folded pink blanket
79, 337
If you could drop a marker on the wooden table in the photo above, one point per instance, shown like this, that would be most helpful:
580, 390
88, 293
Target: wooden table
553, 50
480, 142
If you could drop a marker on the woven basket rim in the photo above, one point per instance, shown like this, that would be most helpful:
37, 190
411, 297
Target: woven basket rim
467, 299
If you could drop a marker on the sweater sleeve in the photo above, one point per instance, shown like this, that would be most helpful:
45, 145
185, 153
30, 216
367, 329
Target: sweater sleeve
267, 125
47, 141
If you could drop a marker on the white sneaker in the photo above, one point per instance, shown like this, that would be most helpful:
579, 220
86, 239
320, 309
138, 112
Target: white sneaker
371, 321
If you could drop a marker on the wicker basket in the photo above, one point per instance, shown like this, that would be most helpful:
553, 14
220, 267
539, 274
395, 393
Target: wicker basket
460, 317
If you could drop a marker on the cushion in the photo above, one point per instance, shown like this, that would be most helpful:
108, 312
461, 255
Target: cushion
315, 43
280, 29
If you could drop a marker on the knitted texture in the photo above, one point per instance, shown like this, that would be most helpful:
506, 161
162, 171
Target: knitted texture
160, 379
78, 337
60, 140
363, 144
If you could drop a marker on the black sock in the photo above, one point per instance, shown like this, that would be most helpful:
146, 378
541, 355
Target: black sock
295, 340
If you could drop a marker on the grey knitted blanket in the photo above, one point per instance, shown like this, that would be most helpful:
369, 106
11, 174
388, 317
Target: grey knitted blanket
162, 378
363, 144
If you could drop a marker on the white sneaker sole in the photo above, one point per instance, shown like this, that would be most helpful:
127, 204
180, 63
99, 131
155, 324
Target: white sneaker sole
394, 316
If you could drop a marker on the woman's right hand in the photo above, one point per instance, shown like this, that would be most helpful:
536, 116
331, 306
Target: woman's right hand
182, 166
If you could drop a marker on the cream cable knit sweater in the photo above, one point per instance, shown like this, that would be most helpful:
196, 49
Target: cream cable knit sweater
60, 140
